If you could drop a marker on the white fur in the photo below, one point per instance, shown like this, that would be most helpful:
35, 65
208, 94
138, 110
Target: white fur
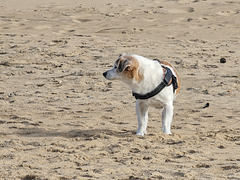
152, 72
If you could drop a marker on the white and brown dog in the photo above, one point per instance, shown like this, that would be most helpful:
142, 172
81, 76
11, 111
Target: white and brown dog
151, 81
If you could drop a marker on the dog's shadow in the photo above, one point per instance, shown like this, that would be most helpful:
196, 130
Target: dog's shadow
90, 134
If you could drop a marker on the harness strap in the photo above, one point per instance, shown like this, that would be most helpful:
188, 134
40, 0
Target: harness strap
169, 79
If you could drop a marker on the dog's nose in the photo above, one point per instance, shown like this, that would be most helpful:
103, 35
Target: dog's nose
105, 74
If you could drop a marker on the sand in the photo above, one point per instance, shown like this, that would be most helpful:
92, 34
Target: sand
60, 119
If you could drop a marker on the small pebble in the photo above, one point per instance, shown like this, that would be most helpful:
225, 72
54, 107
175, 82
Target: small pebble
221, 147
206, 105
222, 60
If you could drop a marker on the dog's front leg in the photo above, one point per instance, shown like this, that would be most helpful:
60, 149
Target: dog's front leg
142, 116
167, 116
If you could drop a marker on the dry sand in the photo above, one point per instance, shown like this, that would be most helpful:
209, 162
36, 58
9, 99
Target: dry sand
60, 119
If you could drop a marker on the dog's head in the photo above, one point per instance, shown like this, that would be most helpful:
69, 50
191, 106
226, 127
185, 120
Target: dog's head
126, 68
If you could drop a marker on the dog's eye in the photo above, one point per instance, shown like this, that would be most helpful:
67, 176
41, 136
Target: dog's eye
127, 68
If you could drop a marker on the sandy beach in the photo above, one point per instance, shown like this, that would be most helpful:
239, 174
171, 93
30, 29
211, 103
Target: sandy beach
61, 119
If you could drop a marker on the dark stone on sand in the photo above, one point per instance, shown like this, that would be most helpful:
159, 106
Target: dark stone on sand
206, 105
222, 60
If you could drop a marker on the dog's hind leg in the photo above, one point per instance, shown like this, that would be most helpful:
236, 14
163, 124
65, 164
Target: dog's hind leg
142, 116
167, 116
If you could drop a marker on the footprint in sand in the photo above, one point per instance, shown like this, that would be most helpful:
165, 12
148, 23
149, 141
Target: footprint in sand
187, 1
41, 27
180, 11
227, 13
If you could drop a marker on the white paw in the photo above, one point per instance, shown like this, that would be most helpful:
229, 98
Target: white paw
140, 133
167, 132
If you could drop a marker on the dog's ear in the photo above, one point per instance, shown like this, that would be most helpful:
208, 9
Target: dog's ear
123, 54
123, 65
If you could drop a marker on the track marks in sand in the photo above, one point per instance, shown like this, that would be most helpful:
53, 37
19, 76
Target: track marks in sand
228, 13
179, 11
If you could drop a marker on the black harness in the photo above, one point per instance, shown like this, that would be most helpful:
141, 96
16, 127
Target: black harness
166, 82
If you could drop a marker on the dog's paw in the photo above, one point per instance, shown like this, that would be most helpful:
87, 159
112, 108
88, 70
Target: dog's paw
141, 133
167, 132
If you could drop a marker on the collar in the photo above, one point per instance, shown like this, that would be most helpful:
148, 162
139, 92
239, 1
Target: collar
166, 81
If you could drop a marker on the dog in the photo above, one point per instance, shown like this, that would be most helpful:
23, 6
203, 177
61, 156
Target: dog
152, 81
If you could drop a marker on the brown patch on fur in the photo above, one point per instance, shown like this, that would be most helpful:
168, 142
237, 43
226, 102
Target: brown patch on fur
131, 69
178, 79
